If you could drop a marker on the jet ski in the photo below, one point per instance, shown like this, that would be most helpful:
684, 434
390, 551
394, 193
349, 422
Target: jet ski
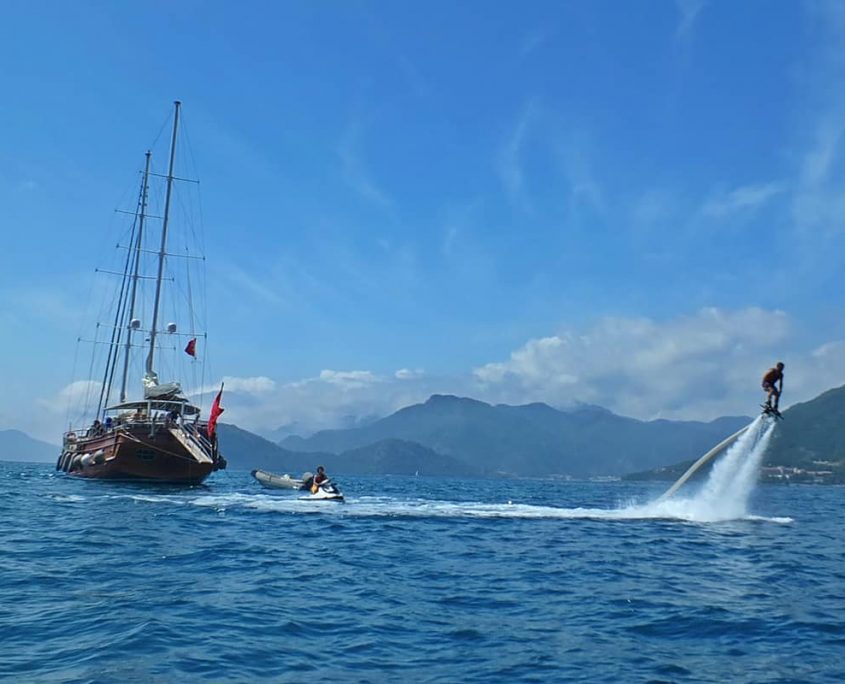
285, 481
325, 491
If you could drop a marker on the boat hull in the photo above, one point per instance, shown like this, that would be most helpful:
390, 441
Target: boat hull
274, 481
135, 455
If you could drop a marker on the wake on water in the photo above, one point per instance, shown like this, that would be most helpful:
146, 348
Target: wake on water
724, 496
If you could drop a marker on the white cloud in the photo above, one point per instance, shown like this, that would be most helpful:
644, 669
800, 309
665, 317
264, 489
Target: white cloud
695, 367
692, 366
56, 412
349, 379
256, 385
332, 399
743, 198
408, 374
71, 395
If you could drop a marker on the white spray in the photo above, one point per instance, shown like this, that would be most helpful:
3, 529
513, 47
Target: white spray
725, 494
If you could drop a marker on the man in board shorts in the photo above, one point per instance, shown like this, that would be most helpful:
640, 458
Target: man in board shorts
773, 385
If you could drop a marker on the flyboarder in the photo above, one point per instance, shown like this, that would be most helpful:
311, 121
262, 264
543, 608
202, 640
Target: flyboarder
773, 386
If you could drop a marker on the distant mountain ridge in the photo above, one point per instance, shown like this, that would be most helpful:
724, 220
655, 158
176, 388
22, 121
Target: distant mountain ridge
530, 439
244, 449
449, 435
18, 446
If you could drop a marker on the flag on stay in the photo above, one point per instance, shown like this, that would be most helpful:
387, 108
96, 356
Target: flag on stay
191, 349
216, 410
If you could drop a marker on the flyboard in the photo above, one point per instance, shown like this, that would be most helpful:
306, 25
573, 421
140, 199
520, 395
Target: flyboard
716, 450
771, 411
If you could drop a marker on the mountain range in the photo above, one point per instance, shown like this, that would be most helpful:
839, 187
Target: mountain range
456, 436
532, 439
244, 449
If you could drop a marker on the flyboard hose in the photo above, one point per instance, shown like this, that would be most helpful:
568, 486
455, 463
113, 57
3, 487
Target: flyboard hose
701, 461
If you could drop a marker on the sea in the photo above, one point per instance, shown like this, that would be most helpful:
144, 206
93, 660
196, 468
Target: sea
422, 579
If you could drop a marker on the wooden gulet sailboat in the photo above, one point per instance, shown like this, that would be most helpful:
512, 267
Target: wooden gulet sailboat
159, 436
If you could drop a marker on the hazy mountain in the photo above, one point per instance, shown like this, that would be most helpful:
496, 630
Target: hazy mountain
398, 457
296, 429
284, 431
18, 446
531, 439
246, 450
243, 449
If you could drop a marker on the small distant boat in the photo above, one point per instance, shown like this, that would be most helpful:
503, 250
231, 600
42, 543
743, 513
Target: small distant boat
157, 436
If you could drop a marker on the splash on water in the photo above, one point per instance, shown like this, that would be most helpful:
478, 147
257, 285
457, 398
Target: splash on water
726, 493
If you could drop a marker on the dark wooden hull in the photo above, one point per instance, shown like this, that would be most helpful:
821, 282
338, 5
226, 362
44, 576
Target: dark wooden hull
132, 454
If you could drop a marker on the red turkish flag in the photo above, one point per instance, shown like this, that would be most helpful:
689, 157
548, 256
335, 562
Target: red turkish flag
216, 410
191, 349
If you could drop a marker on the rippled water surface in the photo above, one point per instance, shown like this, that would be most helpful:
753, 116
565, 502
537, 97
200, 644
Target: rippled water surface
418, 580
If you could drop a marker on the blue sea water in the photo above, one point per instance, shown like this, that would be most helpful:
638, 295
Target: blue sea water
417, 580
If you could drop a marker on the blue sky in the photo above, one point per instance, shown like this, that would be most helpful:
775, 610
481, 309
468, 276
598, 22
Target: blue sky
640, 205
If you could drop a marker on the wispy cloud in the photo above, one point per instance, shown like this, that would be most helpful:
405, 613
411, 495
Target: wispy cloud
76, 392
743, 198
818, 198
576, 160
349, 379
244, 281
510, 161
256, 385
819, 201
688, 11
355, 170
532, 41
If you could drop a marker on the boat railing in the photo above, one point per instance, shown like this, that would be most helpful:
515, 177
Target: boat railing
193, 434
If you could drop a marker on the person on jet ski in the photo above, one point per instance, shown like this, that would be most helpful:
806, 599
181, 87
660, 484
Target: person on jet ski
318, 479
773, 385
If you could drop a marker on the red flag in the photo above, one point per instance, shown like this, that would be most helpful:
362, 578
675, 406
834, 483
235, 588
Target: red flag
216, 410
191, 349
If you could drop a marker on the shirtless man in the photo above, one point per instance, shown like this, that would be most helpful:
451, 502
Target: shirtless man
773, 385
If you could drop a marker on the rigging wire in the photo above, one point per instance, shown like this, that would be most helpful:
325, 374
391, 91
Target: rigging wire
198, 235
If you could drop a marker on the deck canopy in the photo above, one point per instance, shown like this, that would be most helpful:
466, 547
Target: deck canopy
180, 406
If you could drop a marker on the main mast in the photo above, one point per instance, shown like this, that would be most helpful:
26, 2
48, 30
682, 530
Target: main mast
150, 378
138, 244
